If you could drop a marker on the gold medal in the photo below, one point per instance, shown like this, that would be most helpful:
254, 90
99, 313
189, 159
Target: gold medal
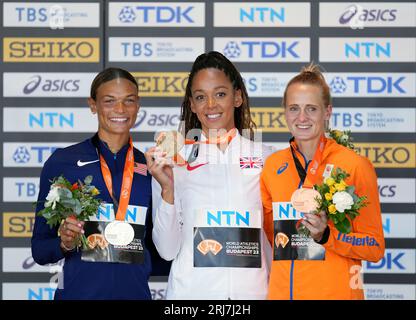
304, 200
170, 142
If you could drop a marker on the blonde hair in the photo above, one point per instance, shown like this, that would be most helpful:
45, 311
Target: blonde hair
312, 75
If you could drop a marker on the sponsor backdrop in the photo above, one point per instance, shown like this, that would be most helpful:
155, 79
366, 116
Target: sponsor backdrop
51, 50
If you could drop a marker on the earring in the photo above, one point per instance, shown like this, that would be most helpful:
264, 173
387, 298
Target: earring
326, 125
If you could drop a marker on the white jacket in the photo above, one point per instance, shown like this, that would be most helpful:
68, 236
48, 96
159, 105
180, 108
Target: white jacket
219, 184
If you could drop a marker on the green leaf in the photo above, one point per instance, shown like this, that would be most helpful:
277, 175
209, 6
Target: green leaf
88, 180
343, 226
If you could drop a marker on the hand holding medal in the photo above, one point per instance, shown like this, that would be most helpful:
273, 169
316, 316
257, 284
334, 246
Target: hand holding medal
305, 200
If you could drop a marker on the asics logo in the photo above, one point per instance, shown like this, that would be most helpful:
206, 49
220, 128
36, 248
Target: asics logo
84, 163
189, 168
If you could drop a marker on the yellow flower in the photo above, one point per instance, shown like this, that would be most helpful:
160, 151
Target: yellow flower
328, 196
332, 189
95, 192
332, 209
343, 183
338, 133
339, 187
329, 181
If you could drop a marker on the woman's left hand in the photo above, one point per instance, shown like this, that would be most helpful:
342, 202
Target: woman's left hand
316, 224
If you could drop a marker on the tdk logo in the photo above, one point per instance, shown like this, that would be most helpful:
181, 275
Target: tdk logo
51, 120
356, 12
41, 153
21, 155
263, 49
368, 50
373, 84
262, 14
58, 85
127, 15
156, 14
389, 262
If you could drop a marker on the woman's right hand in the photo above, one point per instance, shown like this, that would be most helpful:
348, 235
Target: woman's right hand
161, 169
70, 231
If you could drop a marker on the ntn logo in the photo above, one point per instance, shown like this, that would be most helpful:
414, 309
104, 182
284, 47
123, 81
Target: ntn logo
45, 293
368, 49
51, 119
230, 217
262, 14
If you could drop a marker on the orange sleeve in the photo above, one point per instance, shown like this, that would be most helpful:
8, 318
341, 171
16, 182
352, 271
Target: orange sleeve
366, 242
267, 205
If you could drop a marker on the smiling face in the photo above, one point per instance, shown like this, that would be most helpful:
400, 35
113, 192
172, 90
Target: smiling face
214, 99
116, 105
305, 112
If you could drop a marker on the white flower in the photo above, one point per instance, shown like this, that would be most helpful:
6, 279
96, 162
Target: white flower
53, 197
342, 201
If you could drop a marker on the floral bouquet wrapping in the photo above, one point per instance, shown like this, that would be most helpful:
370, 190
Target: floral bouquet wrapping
65, 199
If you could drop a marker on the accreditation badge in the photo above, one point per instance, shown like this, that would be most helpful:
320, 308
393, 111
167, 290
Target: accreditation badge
288, 243
227, 238
111, 240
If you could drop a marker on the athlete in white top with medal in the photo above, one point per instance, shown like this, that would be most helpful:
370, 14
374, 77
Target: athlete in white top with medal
207, 207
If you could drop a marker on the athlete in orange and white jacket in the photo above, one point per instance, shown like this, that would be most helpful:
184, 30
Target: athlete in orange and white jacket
336, 277
307, 108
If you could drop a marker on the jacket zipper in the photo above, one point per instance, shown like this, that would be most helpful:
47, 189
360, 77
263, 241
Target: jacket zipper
292, 265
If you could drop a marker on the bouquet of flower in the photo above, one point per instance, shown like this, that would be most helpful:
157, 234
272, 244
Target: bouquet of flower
65, 199
342, 137
339, 200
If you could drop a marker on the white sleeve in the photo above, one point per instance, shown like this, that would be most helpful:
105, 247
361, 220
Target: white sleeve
267, 151
167, 224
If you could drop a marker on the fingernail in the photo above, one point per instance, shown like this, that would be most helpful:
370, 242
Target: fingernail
82, 231
79, 225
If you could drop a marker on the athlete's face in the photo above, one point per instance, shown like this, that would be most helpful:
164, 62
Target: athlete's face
214, 99
116, 105
305, 111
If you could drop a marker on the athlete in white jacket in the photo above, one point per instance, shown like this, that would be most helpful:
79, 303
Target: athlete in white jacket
208, 213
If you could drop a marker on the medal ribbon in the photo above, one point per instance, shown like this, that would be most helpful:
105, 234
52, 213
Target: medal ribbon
194, 153
310, 178
127, 182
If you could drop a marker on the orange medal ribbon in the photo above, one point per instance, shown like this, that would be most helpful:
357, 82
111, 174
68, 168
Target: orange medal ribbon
127, 181
219, 140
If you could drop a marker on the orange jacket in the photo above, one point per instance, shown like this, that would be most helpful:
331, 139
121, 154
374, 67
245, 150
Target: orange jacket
336, 277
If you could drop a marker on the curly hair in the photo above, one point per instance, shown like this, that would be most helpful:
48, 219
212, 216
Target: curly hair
214, 59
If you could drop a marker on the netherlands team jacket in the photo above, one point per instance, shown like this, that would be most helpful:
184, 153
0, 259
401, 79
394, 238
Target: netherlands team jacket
337, 277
